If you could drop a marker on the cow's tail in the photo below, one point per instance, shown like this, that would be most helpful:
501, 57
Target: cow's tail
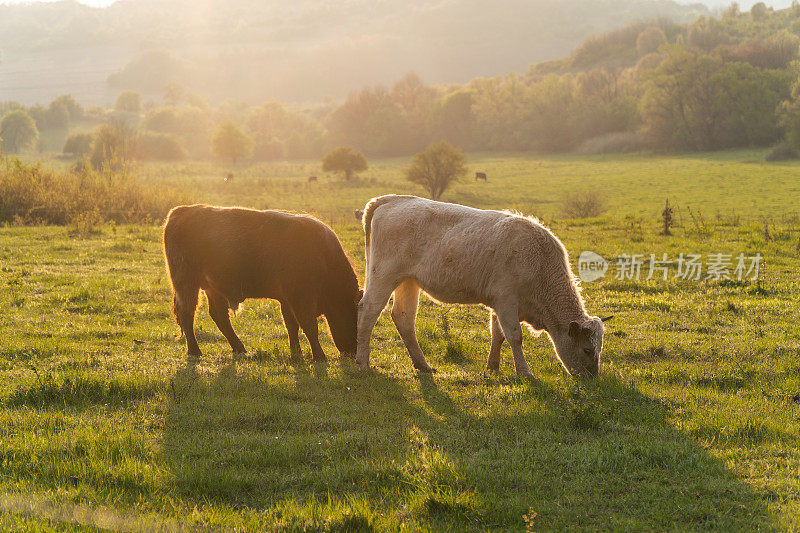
369, 212
178, 268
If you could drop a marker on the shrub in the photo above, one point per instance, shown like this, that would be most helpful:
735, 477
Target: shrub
159, 147
584, 204
782, 152
437, 167
78, 144
345, 161
32, 194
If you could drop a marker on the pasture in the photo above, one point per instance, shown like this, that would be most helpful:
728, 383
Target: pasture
694, 424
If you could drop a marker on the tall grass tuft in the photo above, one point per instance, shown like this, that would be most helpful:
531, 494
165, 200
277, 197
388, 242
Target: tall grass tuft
31, 194
584, 204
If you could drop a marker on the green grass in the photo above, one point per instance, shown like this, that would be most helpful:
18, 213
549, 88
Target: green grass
695, 424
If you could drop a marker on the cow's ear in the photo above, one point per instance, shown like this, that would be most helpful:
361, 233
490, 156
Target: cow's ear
574, 329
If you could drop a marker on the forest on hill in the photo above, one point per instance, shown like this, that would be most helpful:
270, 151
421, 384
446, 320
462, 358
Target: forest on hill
709, 84
308, 50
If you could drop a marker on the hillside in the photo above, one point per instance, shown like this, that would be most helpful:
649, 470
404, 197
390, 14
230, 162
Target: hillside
251, 50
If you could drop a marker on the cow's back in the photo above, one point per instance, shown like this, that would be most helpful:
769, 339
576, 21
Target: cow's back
244, 253
457, 253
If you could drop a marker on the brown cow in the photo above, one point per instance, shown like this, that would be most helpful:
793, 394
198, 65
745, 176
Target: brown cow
234, 253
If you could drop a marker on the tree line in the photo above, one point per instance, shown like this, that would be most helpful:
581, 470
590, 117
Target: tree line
712, 84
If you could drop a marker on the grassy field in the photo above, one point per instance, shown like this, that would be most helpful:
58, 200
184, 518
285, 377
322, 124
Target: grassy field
694, 425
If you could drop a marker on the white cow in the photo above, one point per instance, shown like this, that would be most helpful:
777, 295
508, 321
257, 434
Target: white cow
507, 262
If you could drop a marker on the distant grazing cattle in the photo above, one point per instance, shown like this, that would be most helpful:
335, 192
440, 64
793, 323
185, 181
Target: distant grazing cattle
228, 177
480, 176
457, 254
312, 179
233, 254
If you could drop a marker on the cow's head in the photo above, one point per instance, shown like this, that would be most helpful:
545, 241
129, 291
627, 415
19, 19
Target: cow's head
343, 320
582, 356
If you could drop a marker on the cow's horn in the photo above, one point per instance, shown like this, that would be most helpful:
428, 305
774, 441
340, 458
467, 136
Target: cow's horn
605, 318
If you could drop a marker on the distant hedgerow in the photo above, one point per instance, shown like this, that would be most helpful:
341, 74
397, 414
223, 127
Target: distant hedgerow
32, 194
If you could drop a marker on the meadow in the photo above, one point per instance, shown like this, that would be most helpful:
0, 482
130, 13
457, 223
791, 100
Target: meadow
694, 424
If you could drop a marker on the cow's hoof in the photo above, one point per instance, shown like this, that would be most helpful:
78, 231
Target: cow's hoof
241, 350
426, 369
493, 368
364, 367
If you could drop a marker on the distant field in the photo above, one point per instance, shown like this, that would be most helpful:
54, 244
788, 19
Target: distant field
695, 424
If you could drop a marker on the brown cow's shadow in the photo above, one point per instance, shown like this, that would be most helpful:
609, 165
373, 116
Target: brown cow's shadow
598, 456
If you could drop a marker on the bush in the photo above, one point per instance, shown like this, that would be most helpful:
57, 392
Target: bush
159, 147
782, 152
584, 204
78, 144
345, 161
32, 194
436, 167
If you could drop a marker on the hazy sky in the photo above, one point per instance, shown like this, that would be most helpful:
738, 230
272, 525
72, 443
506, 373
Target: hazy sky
93, 3
743, 4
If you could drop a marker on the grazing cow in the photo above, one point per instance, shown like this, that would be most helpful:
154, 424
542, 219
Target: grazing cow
228, 177
457, 254
312, 179
480, 176
359, 214
233, 254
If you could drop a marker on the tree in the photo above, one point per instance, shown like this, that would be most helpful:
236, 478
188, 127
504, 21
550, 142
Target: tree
345, 161
759, 11
649, 40
159, 147
78, 144
436, 167
129, 101
230, 141
696, 101
173, 93
18, 131
113, 144
70, 104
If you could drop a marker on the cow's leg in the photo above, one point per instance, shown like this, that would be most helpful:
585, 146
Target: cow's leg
184, 305
218, 309
293, 329
404, 315
508, 317
493, 362
307, 318
369, 309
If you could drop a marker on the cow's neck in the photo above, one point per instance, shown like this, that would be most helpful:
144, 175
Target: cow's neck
557, 317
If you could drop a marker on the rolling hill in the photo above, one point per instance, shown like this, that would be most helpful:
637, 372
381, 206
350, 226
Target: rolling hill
307, 50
